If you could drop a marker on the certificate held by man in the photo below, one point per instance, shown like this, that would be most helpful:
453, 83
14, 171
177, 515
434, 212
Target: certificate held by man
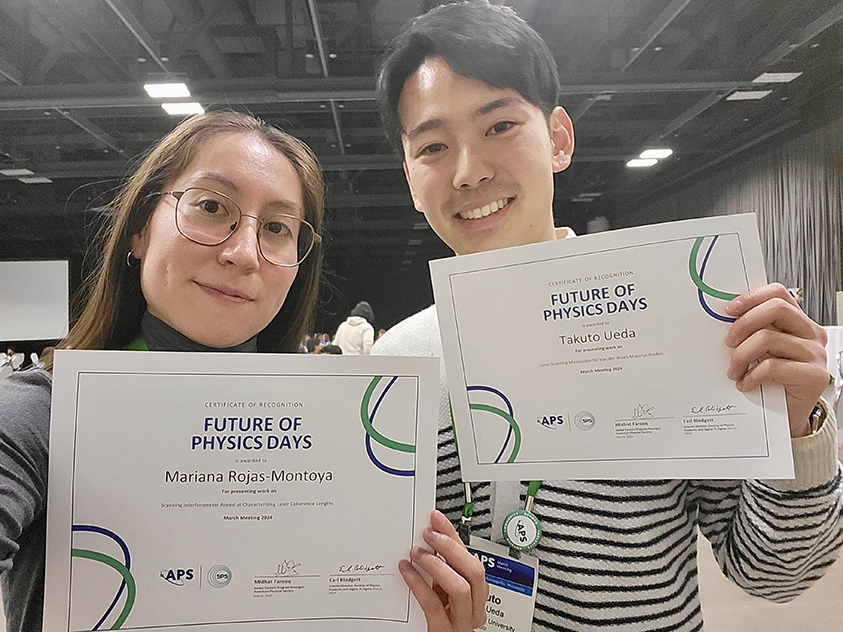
221, 491
604, 357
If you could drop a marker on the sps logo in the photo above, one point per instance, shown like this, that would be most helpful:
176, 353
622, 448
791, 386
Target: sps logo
178, 576
550, 421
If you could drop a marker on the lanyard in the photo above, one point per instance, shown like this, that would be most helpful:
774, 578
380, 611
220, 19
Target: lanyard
522, 530
138, 344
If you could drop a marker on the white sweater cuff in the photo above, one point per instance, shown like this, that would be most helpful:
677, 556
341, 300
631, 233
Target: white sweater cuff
814, 457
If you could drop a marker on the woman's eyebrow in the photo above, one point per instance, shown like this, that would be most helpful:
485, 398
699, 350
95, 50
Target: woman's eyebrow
286, 206
216, 177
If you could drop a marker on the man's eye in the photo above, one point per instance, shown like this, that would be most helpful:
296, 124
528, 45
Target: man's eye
502, 126
433, 148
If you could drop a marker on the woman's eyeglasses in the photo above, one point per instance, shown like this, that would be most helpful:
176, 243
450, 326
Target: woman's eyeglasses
209, 218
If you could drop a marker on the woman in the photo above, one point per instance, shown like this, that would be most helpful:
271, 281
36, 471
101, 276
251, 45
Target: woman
213, 244
356, 334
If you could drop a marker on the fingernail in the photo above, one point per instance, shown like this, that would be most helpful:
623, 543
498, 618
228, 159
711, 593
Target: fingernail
403, 567
431, 535
734, 306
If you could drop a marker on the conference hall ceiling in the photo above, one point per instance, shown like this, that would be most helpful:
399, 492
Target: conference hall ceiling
636, 75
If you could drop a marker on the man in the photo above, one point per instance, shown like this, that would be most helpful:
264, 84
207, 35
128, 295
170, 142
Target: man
468, 94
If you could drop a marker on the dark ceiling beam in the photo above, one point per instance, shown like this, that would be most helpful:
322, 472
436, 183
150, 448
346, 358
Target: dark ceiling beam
247, 13
799, 37
773, 31
356, 134
48, 62
802, 36
102, 136
10, 70
329, 163
273, 90
691, 113
189, 14
75, 118
708, 26
665, 18
69, 30
323, 60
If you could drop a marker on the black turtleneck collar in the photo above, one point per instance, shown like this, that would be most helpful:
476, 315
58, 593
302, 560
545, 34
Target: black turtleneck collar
160, 336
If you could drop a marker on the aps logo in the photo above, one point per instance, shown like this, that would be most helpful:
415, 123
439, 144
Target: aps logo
551, 421
177, 576
487, 559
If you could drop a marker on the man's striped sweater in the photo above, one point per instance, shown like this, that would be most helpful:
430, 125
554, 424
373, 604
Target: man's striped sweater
621, 555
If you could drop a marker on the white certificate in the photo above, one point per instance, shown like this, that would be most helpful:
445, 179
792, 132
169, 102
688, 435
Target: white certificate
604, 357
197, 491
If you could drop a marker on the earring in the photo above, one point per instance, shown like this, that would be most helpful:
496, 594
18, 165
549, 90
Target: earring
129, 260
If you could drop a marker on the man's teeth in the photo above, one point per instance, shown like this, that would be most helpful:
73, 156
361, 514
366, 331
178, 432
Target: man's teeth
483, 211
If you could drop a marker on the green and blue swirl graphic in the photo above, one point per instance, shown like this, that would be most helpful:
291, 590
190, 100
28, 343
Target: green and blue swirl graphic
127, 584
704, 289
508, 415
368, 419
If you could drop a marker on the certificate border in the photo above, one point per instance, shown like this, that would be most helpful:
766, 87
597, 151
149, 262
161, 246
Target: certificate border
80, 373
480, 465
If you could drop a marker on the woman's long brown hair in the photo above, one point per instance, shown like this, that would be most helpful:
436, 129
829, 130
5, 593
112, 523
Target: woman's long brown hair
112, 297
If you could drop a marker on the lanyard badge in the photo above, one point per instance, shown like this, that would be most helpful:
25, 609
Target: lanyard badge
522, 530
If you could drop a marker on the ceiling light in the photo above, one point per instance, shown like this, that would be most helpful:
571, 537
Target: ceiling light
16, 173
332, 55
309, 55
656, 153
776, 77
748, 95
35, 180
166, 90
579, 199
180, 109
641, 162
590, 195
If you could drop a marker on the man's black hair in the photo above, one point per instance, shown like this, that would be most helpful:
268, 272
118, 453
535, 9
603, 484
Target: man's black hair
478, 40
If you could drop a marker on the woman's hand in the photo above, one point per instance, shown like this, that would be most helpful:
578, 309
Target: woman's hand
774, 342
457, 601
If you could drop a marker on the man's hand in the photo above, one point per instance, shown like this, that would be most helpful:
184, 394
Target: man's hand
457, 601
774, 342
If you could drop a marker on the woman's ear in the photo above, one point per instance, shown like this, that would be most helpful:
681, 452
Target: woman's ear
561, 138
139, 243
